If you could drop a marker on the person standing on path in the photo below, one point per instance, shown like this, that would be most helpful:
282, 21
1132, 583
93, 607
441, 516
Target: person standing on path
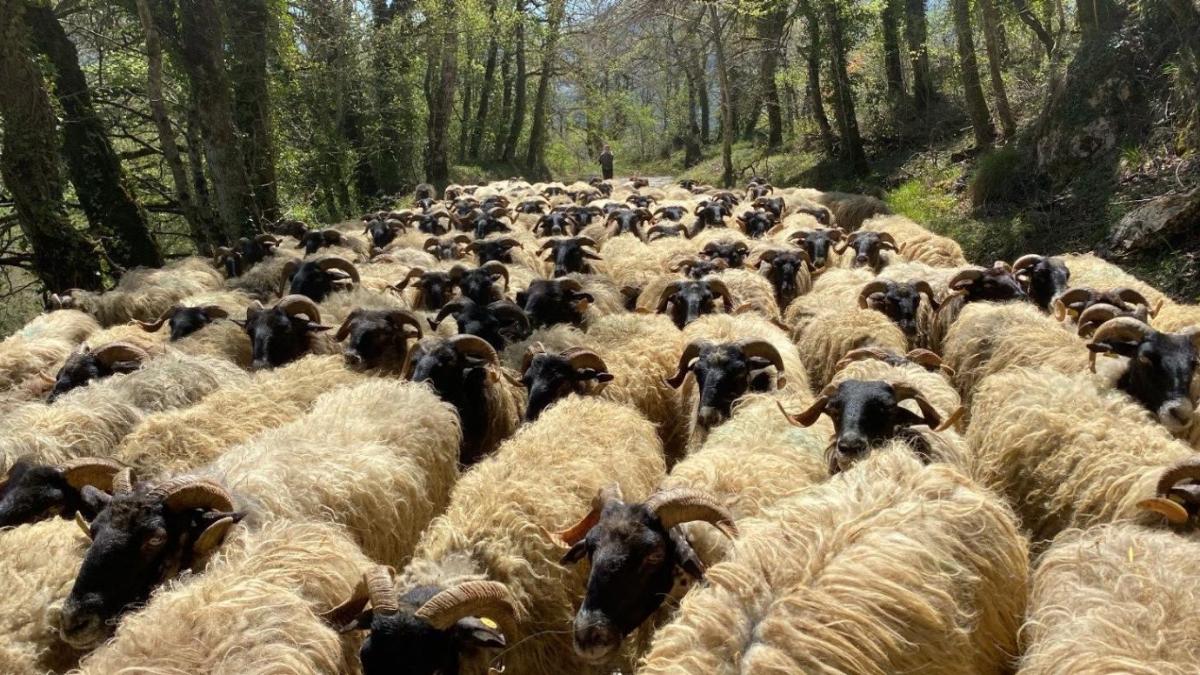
606, 162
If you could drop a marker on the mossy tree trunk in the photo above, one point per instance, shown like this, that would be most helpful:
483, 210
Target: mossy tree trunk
812, 57
851, 149
535, 160
892, 68
519, 88
991, 38
916, 31
981, 121
440, 81
251, 32
727, 173
62, 257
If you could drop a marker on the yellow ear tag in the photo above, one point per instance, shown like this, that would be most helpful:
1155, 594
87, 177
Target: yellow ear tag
489, 623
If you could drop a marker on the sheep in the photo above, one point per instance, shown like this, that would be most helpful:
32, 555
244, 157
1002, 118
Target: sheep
973, 284
92, 420
915, 243
827, 336
248, 252
1093, 272
318, 277
144, 293
900, 568
578, 299
850, 211
255, 606
490, 563
901, 302
42, 344
466, 372
284, 332
346, 463
867, 250
1117, 596
1065, 451
194, 327
1043, 278
175, 441
789, 270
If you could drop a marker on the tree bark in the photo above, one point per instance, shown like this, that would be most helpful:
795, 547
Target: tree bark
485, 93
501, 129
386, 155
991, 22
195, 143
116, 218
1030, 19
770, 30
727, 173
202, 49
250, 34
536, 158
981, 123
199, 223
691, 142
439, 95
893, 70
915, 33
851, 148
519, 90
705, 105
62, 257
813, 85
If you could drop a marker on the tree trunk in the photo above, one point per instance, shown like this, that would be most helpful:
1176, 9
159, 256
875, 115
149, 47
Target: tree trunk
981, 123
1030, 19
199, 224
770, 30
250, 34
386, 156
813, 84
691, 142
893, 70
1099, 17
851, 149
505, 104
464, 126
203, 56
991, 21
519, 87
439, 94
705, 109
536, 159
727, 173
915, 33
112, 211
485, 93
195, 143
62, 258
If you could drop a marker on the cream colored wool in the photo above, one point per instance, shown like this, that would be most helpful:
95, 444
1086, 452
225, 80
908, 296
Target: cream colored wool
377, 458
180, 440
608, 299
1090, 271
542, 479
1065, 450
40, 563
891, 567
630, 262
252, 611
154, 344
851, 210
337, 306
919, 244
933, 385
989, 338
261, 282
42, 345
1176, 318
829, 335
751, 292
220, 339
1114, 598
92, 420
834, 289
145, 293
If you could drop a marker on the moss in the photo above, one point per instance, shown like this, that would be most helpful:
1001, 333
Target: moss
1000, 177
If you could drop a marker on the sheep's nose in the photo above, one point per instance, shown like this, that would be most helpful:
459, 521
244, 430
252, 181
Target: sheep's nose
851, 446
1177, 414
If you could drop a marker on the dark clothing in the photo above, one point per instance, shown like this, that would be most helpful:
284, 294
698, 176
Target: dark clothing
606, 165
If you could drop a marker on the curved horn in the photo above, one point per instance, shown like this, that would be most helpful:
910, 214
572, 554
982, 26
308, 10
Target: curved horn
963, 278
933, 419
188, 492
1095, 316
430, 243
403, 317
690, 352
300, 304
861, 354
1063, 303
1131, 296
877, 286
922, 286
1122, 328
760, 348
719, 287
489, 599
495, 267
285, 274
472, 345
343, 330
685, 505
669, 291
581, 358
887, 238
333, 262
510, 310
413, 273
808, 416
120, 351
95, 471
1027, 260
924, 358
1187, 469
151, 326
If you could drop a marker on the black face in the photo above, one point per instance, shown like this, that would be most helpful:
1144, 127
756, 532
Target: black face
582, 215
433, 223
463, 207
531, 207
82, 368
633, 560
900, 303
436, 289
459, 380
314, 241
382, 233
996, 285
782, 271
34, 492
401, 642
733, 253
479, 285
1047, 279
550, 377
867, 249
555, 224
628, 221
672, 213
640, 201
817, 244
1159, 374
375, 338
311, 281
702, 267
499, 323
547, 303
445, 250
277, 338
233, 265
757, 223
188, 320
687, 183
137, 543
773, 205
865, 414
425, 203
723, 375
712, 214
485, 225
569, 257
694, 300
499, 250
493, 202
251, 252
821, 215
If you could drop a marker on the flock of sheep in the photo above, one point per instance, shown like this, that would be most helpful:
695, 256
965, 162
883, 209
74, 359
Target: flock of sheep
595, 428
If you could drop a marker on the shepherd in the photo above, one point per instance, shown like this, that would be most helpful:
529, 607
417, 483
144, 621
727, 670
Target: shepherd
606, 162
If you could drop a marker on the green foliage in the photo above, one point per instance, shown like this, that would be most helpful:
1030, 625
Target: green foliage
1001, 176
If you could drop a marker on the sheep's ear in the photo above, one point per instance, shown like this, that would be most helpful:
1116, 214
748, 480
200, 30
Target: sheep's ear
94, 500
315, 327
575, 553
480, 633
